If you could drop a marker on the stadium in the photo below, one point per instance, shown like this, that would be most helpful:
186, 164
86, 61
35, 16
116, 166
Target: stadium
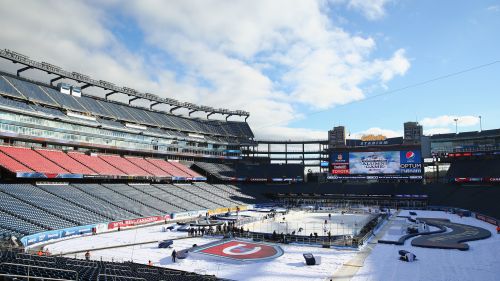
97, 189
249, 140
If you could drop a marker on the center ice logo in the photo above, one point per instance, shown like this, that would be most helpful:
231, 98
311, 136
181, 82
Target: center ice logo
241, 250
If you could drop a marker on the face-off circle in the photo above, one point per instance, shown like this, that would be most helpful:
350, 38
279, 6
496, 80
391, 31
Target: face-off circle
241, 250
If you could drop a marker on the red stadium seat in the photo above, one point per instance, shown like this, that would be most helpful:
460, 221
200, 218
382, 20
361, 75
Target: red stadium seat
97, 164
68, 163
12, 165
168, 167
147, 166
123, 164
185, 169
32, 160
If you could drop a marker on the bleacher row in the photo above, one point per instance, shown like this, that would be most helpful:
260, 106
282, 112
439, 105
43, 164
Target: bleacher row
27, 160
28, 209
242, 170
18, 266
111, 113
474, 168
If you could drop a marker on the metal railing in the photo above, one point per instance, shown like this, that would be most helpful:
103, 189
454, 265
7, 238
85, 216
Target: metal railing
31, 267
116, 277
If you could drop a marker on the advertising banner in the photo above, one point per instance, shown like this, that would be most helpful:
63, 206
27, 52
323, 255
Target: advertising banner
379, 162
339, 162
411, 162
139, 221
225, 210
56, 234
187, 215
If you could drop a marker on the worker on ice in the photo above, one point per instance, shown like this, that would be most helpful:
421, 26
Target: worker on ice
174, 255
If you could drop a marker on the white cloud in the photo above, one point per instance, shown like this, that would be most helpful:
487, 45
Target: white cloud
311, 62
449, 120
377, 131
434, 131
371, 9
266, 57
494, 8
285, 133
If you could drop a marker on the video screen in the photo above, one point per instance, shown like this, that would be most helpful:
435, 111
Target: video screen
376, 163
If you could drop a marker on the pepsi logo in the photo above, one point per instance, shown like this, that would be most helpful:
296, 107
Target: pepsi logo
410, 155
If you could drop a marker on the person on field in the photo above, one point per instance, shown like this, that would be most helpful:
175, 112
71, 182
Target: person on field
174, 255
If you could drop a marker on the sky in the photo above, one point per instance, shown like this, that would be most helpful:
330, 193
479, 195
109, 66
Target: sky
299, 67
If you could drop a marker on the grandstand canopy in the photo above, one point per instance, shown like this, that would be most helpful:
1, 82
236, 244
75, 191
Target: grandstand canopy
112, 88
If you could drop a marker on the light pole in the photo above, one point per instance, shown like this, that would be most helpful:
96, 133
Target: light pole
456, 125
480, 124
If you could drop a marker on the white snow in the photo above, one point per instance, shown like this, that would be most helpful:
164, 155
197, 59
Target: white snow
124, 237
480, 262
290, 266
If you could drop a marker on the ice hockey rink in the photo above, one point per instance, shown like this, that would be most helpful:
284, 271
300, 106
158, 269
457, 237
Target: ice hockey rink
370, 262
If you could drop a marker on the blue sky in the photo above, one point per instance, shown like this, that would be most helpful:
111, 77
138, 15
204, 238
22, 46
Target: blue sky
299, 67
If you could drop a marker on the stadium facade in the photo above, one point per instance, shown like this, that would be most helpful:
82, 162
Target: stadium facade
72, 163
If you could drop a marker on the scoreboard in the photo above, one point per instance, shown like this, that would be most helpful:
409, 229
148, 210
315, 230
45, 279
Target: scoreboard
391, 164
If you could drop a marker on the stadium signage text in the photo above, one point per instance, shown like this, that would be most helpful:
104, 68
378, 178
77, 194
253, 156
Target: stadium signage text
56, 234
139, 221
373, 138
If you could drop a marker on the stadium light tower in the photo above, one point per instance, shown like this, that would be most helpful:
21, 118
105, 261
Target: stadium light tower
456, 125
480, 124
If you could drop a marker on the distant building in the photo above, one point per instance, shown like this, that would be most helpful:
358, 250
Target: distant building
413, 132
336, 137
486, 140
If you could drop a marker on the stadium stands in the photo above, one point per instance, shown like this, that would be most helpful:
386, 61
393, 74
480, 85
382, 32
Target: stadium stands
32, 160
96, 163
30, 209
192, 193
134, 192
474, 168
214, 189
124, 165
18, 266
168, 167
32, 214
117, 199
12, 165
52, 204
176, 195
88, 201
15, 224
44, 95
147, 166
185, 169
21, 159
68, 163
244, 170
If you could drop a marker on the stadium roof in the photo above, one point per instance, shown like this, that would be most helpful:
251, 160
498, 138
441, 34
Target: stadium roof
132, 93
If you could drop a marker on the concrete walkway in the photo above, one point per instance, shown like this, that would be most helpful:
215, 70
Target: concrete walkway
350, 268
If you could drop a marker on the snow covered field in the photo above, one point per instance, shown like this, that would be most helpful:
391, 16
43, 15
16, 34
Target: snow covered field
138, 235
481, 262
290, 266
338, 224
